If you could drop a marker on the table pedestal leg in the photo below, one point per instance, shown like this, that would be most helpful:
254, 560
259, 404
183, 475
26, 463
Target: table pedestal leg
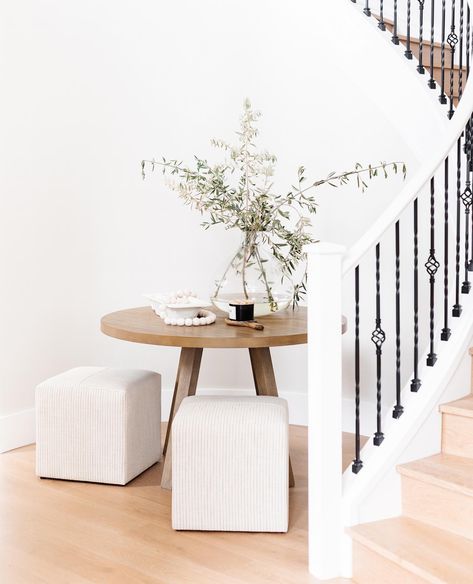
186, 383
265, 382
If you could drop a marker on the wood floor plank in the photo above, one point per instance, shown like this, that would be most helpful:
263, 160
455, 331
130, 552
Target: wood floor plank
69, 532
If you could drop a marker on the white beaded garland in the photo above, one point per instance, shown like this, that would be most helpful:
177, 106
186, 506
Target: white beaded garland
183, 302
203, 318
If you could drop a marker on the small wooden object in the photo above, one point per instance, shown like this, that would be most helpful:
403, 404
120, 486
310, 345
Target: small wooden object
248, 323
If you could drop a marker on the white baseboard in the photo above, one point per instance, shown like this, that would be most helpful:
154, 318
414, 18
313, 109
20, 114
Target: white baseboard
17, 430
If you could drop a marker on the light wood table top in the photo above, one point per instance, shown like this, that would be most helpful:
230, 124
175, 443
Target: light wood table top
141, 325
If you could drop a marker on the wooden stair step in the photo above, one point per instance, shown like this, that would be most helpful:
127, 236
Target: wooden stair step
457, 427
460, 407
443, 470
438, 491
425, 48
418, 551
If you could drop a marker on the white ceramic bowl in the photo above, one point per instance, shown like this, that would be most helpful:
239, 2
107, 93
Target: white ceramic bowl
182, 311
163, 308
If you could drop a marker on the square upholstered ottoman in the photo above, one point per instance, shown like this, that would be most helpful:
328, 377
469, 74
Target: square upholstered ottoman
230, 464
98, 424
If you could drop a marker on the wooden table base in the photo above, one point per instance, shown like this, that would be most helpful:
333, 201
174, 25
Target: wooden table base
265, 382
186, 384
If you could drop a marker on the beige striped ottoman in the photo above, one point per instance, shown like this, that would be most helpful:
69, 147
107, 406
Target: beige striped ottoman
230, 464
98, 424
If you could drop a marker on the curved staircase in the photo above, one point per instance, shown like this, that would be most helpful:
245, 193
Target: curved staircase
433, 539
408, 278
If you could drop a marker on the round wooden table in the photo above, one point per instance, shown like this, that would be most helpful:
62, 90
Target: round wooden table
141, 325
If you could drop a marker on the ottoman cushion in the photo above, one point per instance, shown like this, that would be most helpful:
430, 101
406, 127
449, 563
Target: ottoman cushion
98, 424
230, 464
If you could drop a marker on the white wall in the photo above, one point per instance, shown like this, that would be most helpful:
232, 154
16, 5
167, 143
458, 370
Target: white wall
90, 88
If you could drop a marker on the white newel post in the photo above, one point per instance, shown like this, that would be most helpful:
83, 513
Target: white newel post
326, 532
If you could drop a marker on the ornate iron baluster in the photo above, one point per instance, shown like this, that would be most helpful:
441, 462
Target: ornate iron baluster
457, 308
395, 38
416, 383
432, 265
442, 96
446, 332
381, 23
467, 200
357, 463
431, 82
378, 337
467, 49
469, 168
408, 52
398, 409
460, 48
367, 9
420, 66
452, 41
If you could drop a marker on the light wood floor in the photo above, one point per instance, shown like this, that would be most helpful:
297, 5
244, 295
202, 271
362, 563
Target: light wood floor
61, 532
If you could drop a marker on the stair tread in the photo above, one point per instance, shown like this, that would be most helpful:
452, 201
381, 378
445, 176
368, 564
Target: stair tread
444, 470
428, 552
460, 407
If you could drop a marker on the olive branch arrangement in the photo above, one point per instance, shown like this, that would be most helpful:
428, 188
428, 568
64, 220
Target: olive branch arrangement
239, 193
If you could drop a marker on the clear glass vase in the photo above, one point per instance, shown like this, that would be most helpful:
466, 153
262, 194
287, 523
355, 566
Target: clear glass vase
255, 275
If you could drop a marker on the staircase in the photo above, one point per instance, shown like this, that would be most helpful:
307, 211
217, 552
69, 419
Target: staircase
436, 62
407, 280
433, 539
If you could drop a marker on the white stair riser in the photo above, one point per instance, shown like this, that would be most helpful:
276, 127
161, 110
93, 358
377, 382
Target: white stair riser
437, 506
457, 435
370, 567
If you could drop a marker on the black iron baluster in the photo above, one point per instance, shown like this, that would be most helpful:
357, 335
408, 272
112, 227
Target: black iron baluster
420, 66
469, 151
416, 383
378, 337
398, 409
467, 200
367, 9
446, 332
381, 23
395, 38
457, 308
442, 96
467, 48
469, 168
431, 82
452, 40
460, 48
468, 124
357, 463
408, 52
432, 265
